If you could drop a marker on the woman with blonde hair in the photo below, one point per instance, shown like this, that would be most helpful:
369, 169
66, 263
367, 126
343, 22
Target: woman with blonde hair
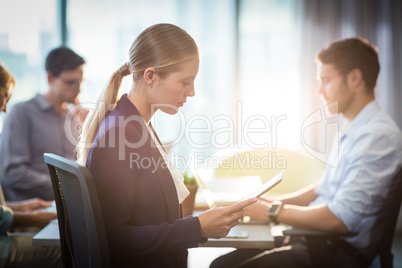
140, 191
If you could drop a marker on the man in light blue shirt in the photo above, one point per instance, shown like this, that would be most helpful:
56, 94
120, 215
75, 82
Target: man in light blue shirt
349, 196
371, 155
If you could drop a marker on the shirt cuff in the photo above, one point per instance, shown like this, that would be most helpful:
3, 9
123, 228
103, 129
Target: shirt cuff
350, 218
202, 239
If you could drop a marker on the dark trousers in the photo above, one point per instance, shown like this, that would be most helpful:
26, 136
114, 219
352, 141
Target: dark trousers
290, 253
24, 254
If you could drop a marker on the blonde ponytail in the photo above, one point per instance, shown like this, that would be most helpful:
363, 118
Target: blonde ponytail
105, 102
162, 46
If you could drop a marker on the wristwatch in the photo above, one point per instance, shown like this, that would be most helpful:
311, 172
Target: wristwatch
273, 210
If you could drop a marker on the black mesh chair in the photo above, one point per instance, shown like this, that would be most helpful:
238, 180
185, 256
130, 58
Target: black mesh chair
382, 234
82, 233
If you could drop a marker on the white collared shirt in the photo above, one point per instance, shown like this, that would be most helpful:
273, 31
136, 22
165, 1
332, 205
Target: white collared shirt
178, 179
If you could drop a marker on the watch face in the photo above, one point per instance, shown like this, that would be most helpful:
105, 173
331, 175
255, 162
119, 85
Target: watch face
274, 209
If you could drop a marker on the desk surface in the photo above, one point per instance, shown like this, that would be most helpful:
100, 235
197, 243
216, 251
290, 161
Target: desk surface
259, 236
48, 236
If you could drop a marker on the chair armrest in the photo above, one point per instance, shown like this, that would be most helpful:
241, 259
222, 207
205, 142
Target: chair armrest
317, 244
317, 233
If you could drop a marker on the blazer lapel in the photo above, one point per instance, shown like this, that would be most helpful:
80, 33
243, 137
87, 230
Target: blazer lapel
162, 171
166, 182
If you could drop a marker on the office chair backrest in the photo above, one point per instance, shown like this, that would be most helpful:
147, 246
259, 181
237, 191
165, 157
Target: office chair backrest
82, 232
384, 228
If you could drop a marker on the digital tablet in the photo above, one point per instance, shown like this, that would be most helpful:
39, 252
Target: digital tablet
266, 186
237, 233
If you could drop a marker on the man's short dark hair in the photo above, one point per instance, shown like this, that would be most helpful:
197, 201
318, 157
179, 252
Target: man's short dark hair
62, 59
350, 54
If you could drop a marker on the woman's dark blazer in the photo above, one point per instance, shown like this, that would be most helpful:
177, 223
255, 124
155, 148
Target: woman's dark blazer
137, 195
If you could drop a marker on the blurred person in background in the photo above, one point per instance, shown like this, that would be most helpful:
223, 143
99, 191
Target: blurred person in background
38, 126
16, 249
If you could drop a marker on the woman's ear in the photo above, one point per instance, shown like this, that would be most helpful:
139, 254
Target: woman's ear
149, 76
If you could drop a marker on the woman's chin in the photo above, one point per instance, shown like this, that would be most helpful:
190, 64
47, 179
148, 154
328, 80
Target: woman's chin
171, 111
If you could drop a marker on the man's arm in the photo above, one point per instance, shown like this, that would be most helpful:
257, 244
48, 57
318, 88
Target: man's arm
27, 215
310, 217
37, 219
9, 219
29, 205
317, 217
297, 213
300, 197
